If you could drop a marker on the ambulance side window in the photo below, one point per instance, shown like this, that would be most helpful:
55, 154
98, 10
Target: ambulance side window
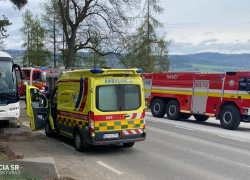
37, 98
242, 84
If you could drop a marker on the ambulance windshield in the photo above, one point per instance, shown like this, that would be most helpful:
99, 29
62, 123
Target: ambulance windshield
118, 97
8, 86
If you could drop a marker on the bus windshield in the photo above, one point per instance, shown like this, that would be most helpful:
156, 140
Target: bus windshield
8, 84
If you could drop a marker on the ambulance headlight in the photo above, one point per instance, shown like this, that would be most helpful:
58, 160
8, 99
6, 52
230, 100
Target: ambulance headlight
139, 71
96, 71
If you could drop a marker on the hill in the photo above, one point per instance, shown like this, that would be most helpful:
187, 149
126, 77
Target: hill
208, 62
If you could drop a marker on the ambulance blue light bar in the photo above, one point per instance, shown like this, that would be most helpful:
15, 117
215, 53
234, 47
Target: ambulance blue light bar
96, 71
139, 71
42, 68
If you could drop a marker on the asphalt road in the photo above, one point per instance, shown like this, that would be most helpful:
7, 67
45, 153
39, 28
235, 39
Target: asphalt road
182, 149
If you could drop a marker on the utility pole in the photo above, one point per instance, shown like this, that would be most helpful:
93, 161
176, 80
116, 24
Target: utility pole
28, 43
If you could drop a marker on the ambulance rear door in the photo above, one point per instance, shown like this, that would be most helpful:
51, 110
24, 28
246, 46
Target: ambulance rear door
119, 108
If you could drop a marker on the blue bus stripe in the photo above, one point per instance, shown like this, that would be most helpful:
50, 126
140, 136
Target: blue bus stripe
80, 94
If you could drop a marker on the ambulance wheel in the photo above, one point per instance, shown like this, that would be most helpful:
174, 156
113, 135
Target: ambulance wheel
199, 117
48, 129
158, 107
185, 116
128, 144
173, 110
79, 143
230, 117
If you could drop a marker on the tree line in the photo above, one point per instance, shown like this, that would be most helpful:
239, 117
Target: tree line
100, 27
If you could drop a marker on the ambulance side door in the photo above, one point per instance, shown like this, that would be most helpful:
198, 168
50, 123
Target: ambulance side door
37, 108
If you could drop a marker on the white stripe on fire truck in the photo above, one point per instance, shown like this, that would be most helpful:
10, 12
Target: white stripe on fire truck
200, 90
172, 88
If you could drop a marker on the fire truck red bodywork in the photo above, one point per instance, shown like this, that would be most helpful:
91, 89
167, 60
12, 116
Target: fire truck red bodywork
38, 79
225, 96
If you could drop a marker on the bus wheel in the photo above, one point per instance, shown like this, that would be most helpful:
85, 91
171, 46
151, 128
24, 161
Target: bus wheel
230, 117
185, 116
158, 107
128, 144
199, 117
48, 129
173, 110
79, 143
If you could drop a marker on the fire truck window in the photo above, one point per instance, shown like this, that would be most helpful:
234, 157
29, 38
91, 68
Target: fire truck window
36, 75
27, 74
242, 84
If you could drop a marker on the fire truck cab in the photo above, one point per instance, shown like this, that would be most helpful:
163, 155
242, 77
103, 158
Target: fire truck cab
225, 96
34, 77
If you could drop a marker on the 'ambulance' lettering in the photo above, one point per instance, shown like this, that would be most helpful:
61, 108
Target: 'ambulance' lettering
117, 81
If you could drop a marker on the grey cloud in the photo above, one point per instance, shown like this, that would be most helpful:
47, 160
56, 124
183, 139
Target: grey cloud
189, 48
208, 33
205, 42
237, 40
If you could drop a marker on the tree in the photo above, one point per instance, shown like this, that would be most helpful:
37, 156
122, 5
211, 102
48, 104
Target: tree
144, 46
163, 61
33, 36
94, 60
5, 21
95, 25
53, 26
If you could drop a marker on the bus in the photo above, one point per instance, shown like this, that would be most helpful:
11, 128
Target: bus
9, 96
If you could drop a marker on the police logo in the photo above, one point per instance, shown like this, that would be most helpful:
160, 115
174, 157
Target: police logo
231, 83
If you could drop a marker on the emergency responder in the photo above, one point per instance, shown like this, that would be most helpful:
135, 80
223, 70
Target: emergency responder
46, 92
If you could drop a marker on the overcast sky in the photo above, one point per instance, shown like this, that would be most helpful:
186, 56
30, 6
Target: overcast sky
192, 26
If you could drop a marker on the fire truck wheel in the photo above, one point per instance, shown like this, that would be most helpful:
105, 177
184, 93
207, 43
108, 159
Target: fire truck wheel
230, 117
173, 110
158, 108
48, 129
201, 117
128, 144
185, 116
79, 143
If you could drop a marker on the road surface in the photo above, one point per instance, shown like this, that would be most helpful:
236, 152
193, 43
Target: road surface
183, 149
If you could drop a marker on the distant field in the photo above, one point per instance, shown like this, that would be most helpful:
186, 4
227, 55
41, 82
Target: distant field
213, 68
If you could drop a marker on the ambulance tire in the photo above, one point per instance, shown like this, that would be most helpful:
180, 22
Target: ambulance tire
128, 144
80, 145
48, 130
185, 116
173, 110
158, 107
201, 118
230, 117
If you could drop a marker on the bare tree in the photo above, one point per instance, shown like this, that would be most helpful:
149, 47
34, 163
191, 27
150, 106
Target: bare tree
97, 25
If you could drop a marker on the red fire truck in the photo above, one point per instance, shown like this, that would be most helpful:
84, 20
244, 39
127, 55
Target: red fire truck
33, 76
225, 96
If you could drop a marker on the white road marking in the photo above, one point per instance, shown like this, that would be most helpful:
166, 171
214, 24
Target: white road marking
185, 128
109, 167
233, 138
68, 146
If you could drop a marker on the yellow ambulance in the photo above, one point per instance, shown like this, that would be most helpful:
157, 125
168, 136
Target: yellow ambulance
93, 107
